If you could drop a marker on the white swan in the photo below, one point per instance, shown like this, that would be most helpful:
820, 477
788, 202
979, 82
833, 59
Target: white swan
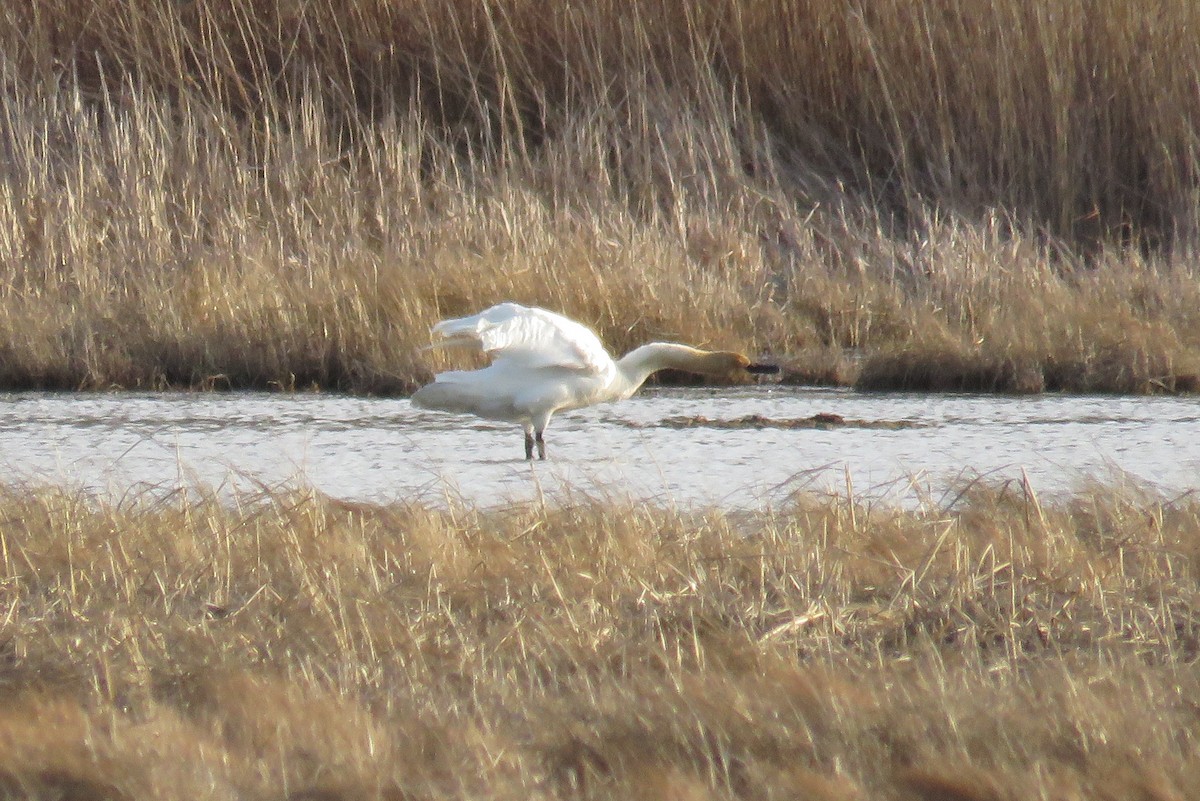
543, 363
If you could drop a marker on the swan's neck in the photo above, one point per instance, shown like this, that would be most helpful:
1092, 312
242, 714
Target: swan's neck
639, 364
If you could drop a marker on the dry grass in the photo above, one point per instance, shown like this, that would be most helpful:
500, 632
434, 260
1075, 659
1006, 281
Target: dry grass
291, 646
284, 194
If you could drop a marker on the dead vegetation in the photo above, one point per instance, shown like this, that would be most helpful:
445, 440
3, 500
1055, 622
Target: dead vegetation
293, 646
259, 193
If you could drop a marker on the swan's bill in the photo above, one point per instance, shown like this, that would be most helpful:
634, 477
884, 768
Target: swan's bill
762, 369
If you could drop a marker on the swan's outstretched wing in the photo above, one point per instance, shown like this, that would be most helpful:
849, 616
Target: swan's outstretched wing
521, 336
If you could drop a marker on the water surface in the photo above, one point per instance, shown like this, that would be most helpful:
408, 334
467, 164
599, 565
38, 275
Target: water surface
741, 447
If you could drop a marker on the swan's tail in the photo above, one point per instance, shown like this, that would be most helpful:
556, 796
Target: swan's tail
466, 392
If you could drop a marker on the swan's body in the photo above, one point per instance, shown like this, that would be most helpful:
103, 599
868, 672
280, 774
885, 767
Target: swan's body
544, 363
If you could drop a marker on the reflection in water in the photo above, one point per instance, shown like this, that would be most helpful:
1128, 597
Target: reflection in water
740, 447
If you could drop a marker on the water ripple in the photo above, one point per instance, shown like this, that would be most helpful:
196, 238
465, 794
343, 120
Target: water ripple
735, 447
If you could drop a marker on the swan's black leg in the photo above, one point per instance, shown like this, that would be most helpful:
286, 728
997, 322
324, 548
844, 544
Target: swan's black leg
541, 443
529, 445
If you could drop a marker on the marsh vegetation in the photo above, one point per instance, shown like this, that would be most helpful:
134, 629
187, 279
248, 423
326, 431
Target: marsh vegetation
295, 646
277, 194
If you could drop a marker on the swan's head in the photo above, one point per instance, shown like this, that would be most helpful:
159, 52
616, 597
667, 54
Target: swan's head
730, 363
641, 362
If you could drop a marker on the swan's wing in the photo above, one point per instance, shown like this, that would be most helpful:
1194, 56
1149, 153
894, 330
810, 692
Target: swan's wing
528, 337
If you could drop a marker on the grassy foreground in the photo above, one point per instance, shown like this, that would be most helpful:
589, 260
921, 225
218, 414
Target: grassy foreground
294, 647
268, 193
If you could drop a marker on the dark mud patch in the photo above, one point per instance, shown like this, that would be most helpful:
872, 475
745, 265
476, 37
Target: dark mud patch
821, 421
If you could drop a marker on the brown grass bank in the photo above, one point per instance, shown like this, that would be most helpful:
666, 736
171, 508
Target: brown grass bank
947, 194
295, 647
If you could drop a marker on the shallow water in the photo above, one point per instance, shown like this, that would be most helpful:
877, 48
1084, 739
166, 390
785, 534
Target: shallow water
682, 446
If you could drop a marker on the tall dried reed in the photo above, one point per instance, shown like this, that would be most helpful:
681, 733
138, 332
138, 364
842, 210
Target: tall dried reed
269, 193
293, 646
